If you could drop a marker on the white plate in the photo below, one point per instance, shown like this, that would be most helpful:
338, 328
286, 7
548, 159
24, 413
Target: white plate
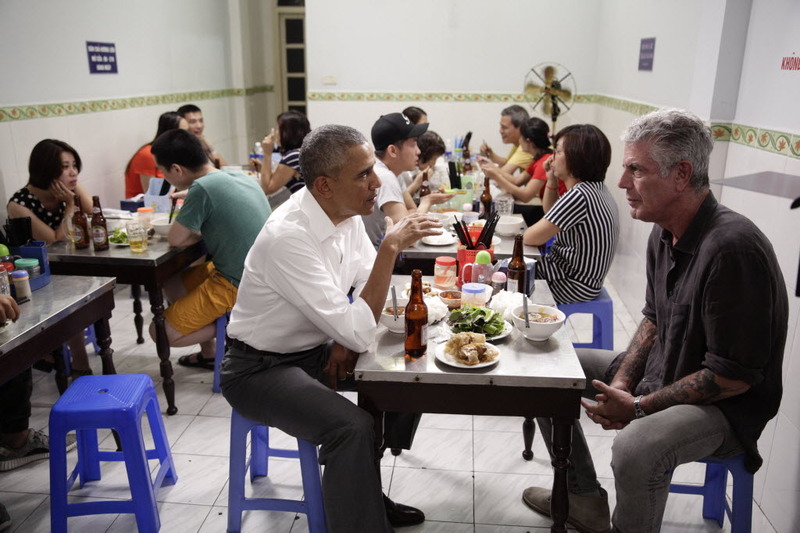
448, 359
496, 241
445, 239
507, 329
120, 244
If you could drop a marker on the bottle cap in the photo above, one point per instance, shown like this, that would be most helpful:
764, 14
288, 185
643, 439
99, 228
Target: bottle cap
499, 277
20, 274
483, 258
445, 260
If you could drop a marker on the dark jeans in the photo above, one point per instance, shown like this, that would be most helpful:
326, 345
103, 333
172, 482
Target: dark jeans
15, 402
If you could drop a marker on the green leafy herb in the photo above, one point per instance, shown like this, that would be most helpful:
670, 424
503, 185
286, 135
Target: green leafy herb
477, 320
118, 237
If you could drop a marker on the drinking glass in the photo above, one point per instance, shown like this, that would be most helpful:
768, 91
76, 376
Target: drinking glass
137, 236
504, 204
70, 230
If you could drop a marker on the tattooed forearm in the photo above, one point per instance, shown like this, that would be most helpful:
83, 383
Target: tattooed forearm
702, 387
632, 367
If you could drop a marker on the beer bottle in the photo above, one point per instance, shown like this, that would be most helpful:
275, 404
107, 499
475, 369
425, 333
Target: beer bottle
424, 189
416, 319
486, 199
99, 228
80, 225
467, 165
516, 268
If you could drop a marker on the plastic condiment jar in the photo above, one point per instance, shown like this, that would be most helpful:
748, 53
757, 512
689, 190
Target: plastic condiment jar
475, 293
445, 273
5, 287
30, 265
145, 214
22, 285
498, 282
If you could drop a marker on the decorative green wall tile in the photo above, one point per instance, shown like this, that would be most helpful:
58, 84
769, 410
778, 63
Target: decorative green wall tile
778, 142
28, 112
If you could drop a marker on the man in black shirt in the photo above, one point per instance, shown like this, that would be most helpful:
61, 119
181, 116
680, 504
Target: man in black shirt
702, 375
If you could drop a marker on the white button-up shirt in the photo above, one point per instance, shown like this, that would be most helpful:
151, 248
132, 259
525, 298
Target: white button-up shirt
293, 294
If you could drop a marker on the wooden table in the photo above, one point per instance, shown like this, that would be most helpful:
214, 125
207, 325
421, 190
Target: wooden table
150, 269
531, 379
53, 315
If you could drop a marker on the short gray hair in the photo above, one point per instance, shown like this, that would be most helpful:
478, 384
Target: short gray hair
324, 151
675, 135
517, 113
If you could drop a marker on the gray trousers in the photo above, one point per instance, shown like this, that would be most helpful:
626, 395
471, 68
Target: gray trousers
284, 392
645, 452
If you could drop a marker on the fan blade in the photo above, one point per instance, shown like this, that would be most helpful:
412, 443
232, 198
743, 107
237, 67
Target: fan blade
533, 91
549, 74
548, 104
564, 94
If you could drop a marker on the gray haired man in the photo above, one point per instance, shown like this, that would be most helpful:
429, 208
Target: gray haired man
702, 375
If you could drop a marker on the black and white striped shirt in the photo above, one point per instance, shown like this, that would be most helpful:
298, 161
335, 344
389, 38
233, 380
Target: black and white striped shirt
581, 255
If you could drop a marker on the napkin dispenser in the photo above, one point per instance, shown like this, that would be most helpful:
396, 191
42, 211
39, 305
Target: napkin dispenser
530, 275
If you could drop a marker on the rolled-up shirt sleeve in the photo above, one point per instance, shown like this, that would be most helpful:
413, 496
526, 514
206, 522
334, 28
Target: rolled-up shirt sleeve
738, 316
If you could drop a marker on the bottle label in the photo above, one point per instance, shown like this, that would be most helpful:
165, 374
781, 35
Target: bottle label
78, 231
424, 334
99, 234
514, 285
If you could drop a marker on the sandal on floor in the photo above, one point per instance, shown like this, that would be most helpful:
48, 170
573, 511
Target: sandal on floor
196, 360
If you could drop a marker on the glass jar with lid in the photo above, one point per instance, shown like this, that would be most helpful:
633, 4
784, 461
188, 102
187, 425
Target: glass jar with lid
445, 273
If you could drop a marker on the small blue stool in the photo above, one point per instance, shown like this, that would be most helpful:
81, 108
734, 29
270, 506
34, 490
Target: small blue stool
602, 311
715, 505
117, 402
221, 325
260, 452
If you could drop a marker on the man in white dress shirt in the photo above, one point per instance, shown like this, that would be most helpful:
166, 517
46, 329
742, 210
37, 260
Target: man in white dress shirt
293, 322
394, 137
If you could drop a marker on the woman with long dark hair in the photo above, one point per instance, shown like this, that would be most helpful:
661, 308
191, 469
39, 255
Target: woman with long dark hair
584, 220
142, 165
289, 132
49, 200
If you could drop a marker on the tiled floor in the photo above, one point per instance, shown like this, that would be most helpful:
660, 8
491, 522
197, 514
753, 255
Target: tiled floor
465, 472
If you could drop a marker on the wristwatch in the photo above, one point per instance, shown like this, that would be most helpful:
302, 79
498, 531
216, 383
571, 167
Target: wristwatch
637, 409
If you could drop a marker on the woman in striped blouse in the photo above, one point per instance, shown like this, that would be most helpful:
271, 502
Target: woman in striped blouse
583, 221
289, 133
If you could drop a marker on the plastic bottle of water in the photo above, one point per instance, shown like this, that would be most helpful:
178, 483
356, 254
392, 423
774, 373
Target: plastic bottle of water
258, 152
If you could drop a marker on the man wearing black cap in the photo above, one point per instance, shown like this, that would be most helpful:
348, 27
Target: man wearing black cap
394, 137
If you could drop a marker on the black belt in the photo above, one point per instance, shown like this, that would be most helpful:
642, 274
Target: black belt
246, 348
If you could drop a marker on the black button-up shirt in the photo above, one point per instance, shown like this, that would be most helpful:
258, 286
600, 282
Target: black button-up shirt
718, 300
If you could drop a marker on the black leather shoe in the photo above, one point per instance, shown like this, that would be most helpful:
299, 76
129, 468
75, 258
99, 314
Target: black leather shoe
400, 515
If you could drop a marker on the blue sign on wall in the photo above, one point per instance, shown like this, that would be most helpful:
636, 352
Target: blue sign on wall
102, 57
646, 52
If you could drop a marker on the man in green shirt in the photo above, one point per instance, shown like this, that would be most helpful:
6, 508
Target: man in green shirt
227, 211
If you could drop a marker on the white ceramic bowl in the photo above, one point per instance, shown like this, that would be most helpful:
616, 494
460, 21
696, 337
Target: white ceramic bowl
387, 317
538, 331
161, 225
509, 225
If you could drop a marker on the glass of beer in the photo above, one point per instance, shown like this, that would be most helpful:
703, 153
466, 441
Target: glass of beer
137, 236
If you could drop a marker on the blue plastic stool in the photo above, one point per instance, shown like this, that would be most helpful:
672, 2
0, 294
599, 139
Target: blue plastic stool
221, 325
117, 402
602, 311
715, 505
260, 452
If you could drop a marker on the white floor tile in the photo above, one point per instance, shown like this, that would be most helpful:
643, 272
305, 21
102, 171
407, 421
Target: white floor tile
441, 449
443, 495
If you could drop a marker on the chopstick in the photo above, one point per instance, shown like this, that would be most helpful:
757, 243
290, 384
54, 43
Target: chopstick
470, 245
489, 229
172, 210
460, 233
